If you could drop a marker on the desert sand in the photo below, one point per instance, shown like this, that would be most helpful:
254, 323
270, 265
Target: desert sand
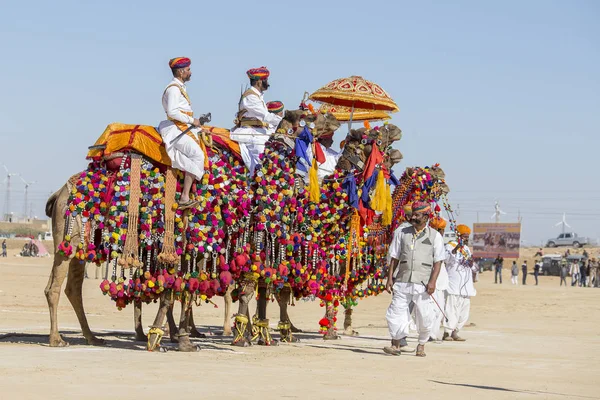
526, 342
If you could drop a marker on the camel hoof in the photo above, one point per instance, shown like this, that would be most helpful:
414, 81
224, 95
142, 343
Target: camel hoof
58, 342
331, 337
174, 339
241, 343
227, 333
296, 330
162, 350
188, 347
196, 334
140, 337
351, 332
95, 341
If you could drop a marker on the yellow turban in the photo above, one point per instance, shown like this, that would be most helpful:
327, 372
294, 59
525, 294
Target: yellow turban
463, 230
437, 223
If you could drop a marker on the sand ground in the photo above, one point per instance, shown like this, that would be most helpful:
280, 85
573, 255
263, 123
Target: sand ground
527, 342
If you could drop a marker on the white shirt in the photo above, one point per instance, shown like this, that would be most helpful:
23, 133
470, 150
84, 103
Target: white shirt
460, 276
255, 107
325, 169
394, 253
174, 102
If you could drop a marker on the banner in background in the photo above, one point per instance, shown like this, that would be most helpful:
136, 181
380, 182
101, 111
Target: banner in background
491, 239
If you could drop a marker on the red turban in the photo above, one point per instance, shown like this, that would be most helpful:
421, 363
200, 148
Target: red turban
275, 107
326, 135
421, 207
258, 73
179, 62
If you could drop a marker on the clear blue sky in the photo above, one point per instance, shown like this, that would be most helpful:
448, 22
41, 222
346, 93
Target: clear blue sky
504, 95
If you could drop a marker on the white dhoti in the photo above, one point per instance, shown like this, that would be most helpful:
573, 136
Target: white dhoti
398, 314
440, 297
185, 154
457, 311
251, 155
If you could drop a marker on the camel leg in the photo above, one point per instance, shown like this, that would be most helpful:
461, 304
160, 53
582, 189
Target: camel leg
140, 336
172, 327
348, 330
192, 330
243, 326
330, 314
227, 322
264, 336
156, 331
185, 344
52, 292
73, 292
285, 325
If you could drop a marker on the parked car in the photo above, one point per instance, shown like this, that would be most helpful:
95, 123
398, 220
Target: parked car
551, 264
568, 239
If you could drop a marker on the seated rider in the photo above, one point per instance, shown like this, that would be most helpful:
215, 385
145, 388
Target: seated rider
186, 151
251, 129
331, 158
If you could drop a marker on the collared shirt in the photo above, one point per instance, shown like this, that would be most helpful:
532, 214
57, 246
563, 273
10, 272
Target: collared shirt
174, 102
396, 246
460, 272
255, 107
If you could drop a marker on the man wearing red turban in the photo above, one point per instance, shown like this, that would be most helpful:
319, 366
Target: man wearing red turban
460, 284
416, 253
254, 119
185, 152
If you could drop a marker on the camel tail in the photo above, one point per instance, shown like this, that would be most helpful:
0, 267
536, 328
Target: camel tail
50, 204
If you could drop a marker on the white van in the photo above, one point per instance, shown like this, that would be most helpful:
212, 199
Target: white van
449, 237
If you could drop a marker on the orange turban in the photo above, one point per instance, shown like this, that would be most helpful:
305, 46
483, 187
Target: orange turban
463, 230
437, 223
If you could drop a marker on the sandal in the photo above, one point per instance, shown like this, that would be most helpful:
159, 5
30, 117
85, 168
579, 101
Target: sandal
391, 351
421, 351
187, 204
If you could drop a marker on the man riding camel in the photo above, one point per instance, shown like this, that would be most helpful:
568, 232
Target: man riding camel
254, 119
186, 151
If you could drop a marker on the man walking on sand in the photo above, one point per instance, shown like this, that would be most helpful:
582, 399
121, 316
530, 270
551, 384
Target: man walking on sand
416, 254
524, 269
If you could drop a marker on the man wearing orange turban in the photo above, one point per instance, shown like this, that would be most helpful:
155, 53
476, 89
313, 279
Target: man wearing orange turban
461, 275
416, 253
185, 152
253, 120
441, 285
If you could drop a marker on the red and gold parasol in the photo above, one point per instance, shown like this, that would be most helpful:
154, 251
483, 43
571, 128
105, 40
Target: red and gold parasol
355, 92
342, 113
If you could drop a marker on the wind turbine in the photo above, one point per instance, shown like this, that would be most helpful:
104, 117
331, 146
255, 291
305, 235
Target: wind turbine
563, 223
7, 182
497, 212
27, 184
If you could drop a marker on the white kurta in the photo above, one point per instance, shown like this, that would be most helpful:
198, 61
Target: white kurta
325, 169
398, 313
185, 153
440, 296
252, 139
460, 288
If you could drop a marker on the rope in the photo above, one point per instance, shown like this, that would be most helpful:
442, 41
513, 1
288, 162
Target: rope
168, 254
130, 250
